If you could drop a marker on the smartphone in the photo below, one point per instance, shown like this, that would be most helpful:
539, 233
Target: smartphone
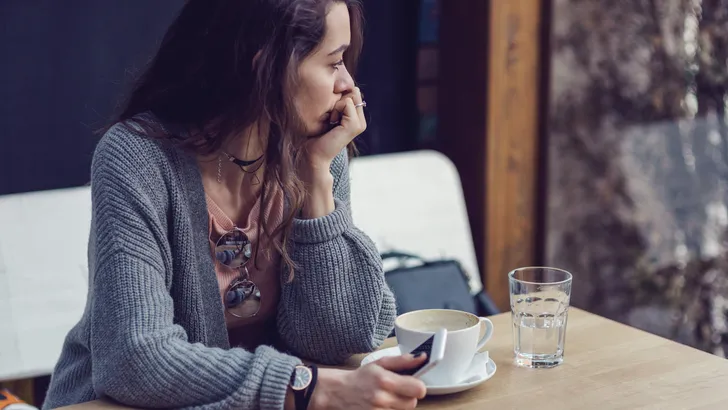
434, 347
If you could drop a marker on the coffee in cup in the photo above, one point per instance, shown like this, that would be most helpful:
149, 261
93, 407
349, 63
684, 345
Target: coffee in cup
464, 340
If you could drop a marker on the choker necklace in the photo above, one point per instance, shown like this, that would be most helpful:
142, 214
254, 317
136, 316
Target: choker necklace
242, 164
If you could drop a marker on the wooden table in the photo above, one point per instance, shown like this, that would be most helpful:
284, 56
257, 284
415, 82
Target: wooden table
607, 366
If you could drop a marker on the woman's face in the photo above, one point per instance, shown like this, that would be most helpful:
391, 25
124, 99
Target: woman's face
323, 78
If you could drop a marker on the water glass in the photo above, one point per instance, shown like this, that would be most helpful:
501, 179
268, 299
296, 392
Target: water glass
539, 309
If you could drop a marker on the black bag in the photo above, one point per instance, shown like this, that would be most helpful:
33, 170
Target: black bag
438, 284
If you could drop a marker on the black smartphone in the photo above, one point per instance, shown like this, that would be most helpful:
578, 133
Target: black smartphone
434, 347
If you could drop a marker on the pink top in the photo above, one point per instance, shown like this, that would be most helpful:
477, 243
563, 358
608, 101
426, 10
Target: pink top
259, 329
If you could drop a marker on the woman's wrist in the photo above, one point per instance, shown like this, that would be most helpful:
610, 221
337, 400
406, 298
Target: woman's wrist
329, 380
319, 192
290, 401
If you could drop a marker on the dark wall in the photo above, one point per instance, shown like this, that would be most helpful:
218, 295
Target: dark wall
387, 75
65, 65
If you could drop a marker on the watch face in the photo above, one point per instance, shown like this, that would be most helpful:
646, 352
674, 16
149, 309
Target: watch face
302, 378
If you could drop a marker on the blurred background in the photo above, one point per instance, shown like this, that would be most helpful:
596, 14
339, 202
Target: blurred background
589, 135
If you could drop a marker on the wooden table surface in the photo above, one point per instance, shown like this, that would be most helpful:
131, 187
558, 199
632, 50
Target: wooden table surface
607, 366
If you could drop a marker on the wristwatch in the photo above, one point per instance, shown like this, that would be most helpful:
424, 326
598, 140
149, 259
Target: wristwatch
303, 381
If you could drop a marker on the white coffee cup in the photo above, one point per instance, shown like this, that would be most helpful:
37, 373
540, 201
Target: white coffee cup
464, 340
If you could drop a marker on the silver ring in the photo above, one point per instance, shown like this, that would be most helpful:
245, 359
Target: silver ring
361, 104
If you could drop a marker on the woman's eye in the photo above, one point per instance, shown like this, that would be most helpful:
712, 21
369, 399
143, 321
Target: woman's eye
337, 64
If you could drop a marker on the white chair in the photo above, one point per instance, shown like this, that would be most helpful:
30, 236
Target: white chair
43, 276
413, 202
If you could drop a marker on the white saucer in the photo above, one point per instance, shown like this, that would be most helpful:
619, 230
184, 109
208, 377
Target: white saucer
481, 369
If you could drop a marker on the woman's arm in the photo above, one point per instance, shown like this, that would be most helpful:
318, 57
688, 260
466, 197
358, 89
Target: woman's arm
338, 303
140, 356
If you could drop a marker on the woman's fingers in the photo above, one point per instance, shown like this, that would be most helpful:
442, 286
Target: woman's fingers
336, 113
358, 97
350, 122
386, 400
340, 108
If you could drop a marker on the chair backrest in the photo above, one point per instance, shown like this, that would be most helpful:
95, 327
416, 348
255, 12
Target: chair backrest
43, 276
413, 202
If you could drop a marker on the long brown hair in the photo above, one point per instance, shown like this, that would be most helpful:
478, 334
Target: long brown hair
203, 79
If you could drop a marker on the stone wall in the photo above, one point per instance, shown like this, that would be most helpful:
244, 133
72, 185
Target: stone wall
638, 162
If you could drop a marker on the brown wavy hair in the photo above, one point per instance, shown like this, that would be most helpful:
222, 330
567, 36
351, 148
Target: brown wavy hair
203, 80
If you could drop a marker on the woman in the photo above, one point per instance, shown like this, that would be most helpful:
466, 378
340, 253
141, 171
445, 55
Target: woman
222, 247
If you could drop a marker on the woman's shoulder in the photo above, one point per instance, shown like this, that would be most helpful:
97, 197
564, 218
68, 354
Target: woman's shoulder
128, 158
136, 146
130, 141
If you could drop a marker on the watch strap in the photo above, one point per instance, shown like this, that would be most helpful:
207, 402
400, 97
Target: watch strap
309, 390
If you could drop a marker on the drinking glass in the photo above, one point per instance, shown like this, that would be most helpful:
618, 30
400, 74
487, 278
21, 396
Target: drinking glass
539, 309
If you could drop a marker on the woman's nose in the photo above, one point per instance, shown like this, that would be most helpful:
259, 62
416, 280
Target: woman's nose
345, 83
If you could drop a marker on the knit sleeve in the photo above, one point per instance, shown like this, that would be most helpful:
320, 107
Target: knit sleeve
140, 356
338, 303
